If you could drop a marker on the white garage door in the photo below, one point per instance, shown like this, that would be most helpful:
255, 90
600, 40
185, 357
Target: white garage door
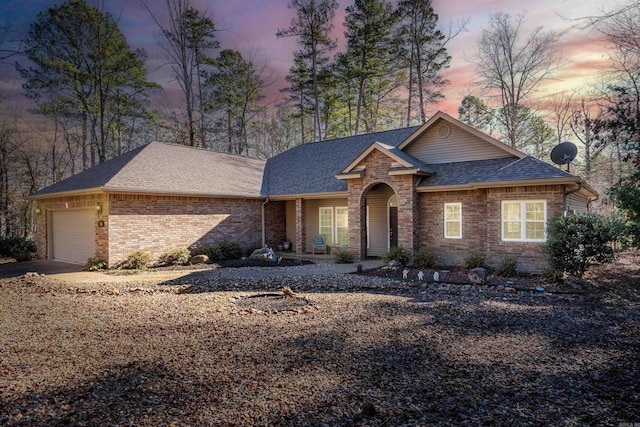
73, 235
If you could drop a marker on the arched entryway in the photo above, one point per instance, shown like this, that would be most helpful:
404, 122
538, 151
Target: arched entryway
381, 219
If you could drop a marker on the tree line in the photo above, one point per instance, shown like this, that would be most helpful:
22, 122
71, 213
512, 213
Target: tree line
93, 91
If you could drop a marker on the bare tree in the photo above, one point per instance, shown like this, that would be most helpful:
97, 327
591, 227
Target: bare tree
189, 34
513, 65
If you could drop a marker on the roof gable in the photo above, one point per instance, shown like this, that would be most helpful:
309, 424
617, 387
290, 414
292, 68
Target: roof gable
400, 159
444, 139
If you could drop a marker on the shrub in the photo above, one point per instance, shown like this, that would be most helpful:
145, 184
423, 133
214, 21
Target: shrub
400, 254
230, 250
138, 260
17, 247
212, 251
95, 264
425, 258
576, 242
475, 259
508, 267
343, 256
177, 256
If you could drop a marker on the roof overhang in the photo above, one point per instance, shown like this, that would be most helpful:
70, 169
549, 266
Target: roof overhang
409, 171
332, 195
580, 184
146, 192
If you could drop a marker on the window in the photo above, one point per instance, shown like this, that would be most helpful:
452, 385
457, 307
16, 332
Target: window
326, 224
453, 220
334, 225
342, 226
524, 221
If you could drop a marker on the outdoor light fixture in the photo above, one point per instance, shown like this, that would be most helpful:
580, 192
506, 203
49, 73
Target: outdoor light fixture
98, 207
38, 210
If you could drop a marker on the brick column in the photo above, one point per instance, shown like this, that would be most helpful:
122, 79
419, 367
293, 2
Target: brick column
357, 212
301, 226
408, 231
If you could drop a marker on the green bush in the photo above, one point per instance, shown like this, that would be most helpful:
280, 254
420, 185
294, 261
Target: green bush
230, 250
343, 256
212, 251
17, 247
95, 264
576, 242
475, 259
508, 267
425, 258
138, 260
177, 256
400, 254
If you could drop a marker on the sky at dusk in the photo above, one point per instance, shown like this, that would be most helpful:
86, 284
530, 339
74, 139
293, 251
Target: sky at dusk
249, 26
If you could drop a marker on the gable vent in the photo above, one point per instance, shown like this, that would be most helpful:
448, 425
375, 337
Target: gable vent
444, 131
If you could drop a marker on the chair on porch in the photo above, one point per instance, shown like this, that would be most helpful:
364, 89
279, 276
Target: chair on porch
319, 244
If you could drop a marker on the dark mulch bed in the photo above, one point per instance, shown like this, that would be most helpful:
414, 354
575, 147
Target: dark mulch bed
458, 275
237, 263
248, 262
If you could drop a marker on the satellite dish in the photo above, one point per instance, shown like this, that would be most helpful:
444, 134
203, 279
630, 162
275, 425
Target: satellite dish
564, 153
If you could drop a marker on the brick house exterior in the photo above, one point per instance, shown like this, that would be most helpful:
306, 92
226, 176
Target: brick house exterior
443, 185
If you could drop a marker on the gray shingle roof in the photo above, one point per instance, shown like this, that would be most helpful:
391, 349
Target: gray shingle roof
493, 170
172, 169
312, 168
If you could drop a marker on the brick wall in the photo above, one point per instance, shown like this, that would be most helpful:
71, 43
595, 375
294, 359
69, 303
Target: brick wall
275, 223
160, 223
474, 230
481, 224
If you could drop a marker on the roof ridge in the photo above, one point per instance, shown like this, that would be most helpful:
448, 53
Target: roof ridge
360, 135
207, 150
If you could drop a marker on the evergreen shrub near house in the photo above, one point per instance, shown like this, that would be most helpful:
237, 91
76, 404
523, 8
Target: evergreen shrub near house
177, 256
95, 264
211, 251
138, 260
425, 258
400, 254
17, 247
343, 256
222, 251
475, 259
230, 250
508, 267
577, 242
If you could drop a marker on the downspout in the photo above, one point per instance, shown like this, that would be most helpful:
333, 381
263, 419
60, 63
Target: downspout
566, 194
264, 237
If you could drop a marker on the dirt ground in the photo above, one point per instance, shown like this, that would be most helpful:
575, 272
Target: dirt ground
360, 351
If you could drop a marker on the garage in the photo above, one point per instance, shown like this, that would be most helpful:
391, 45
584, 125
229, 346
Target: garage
73, 235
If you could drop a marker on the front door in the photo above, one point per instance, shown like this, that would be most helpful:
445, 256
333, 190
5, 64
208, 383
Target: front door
393, 226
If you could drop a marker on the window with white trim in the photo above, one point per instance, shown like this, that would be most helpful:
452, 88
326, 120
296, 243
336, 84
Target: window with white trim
453, 220
326, 224
524, 221
334, 225
342, 226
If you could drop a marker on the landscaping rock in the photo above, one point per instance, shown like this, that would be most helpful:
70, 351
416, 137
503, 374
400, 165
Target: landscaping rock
394, 264
478, 276
199, 259
263, 254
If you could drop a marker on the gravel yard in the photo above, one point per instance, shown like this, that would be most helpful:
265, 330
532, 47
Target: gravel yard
356, 350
